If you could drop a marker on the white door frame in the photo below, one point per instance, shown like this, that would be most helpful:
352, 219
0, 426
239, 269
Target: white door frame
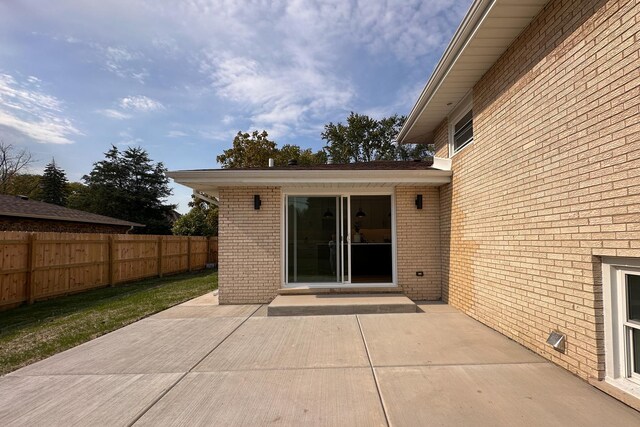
339, 194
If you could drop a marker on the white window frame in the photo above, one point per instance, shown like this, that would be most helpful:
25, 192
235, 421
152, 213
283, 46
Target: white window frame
618, 351
456, 115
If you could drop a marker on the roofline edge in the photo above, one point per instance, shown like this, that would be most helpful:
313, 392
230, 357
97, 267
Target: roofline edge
476, 14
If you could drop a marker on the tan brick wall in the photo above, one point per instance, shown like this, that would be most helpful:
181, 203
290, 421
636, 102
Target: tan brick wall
418, 240
551, 181
249, 245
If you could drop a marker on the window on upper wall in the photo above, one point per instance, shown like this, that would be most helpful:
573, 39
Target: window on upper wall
462, 132
460, 125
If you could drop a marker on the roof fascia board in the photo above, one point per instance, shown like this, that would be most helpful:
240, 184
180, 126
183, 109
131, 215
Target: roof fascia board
463, 35
202, 183
210, 180
309, 175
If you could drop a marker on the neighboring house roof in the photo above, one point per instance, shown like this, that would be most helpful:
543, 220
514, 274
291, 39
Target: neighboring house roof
485, 33
16, 206
173, 215
431, 171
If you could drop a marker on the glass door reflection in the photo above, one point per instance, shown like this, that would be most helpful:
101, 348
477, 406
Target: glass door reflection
313, 249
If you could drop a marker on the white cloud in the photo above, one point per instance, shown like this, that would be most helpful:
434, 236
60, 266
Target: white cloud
287, 66
280, 96
127, 139
222, 135
122, 62
131, 104
114, 114
176, 134
118, 60
140, 103
35, 114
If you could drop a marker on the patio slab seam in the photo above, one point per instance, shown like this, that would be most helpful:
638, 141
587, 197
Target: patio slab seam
409, 365
373, 372
165, 392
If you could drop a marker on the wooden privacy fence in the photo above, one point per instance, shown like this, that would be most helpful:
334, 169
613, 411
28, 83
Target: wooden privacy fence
43, 265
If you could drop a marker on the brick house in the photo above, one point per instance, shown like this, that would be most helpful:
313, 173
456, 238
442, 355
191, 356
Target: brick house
528, 219
21, 214
363, 226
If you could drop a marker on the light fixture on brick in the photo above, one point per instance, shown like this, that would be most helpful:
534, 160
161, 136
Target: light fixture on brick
256, 202
419, 201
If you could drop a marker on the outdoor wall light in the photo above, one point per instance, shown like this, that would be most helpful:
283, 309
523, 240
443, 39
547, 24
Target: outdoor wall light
557, 341
256, 202
419, 201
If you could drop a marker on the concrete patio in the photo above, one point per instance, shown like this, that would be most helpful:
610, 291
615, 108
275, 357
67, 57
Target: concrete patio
204, 364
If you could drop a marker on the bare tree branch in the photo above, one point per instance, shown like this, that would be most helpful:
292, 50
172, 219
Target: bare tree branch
12, 162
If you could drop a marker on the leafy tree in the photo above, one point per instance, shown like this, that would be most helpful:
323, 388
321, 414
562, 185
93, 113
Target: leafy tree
128, 185
304, 157
364, 139
201, 220
12, 162
248, 151
413, 151
26, 185
54, 185
254, 151
76, 195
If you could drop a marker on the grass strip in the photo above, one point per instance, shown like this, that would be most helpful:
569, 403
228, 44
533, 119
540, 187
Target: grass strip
35, 332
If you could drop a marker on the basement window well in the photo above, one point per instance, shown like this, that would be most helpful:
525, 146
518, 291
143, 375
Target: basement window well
621, 297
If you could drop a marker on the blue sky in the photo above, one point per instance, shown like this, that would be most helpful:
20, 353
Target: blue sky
180, 78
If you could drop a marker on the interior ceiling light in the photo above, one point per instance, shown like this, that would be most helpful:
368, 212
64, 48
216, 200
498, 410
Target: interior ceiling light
360, 213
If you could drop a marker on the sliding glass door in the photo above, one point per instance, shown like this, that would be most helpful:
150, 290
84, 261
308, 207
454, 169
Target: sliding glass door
312, 240
338, 240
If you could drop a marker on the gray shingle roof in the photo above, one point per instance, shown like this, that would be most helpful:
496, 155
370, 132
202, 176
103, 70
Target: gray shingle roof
24, 208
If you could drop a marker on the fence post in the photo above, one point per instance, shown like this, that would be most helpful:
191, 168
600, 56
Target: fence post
160, 256
189, 253
30, 267
111, 259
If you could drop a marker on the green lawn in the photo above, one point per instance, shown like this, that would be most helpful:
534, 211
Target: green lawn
31, 333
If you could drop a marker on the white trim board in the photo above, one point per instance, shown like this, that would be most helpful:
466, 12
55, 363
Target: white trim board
614, 308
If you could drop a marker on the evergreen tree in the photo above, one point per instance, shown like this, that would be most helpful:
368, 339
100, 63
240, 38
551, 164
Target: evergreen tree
128, 185
54, 185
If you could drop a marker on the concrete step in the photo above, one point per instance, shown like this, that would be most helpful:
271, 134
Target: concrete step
341, 291
328, 304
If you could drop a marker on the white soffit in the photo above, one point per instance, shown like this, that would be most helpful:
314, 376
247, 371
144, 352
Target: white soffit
484, 35
209, 181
